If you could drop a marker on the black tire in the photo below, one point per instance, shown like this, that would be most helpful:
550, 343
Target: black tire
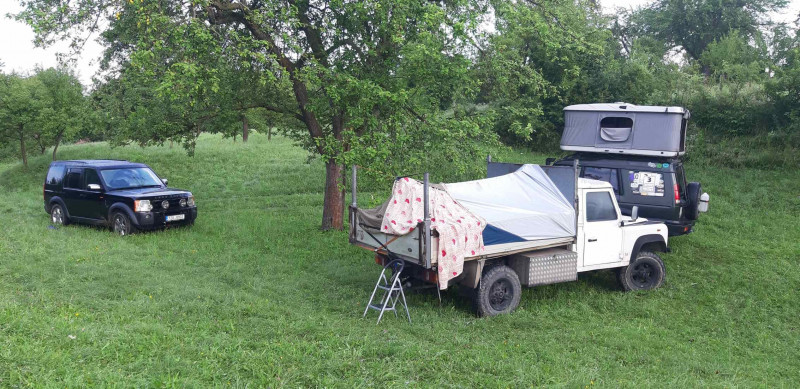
693, 192
121, 224
58, 216
498, 293
645, 272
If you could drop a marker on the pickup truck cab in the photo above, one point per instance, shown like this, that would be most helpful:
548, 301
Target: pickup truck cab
604, 239
122, 195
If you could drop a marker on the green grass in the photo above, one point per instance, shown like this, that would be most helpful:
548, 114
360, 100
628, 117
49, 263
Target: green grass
255, 295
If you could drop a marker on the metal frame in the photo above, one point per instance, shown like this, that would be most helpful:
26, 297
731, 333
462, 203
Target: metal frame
425, 242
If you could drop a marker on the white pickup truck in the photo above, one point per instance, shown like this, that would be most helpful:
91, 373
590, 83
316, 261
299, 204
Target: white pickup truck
600, 238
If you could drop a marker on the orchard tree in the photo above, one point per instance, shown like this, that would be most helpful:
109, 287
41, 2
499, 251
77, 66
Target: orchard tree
362, 77
21, 100
64, 109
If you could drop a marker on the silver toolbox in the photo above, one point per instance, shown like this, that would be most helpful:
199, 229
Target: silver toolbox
545, 266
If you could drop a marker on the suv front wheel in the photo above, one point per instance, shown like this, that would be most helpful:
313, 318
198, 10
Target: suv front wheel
121, 224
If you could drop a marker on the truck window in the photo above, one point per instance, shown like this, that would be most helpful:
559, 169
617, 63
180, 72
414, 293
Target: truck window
91, 177
73, 179
603, 174
55, 175
600, 207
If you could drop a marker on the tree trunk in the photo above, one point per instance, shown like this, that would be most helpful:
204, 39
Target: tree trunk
245, 129
22, 148
42, 147
333, 208
269, 132
57, 142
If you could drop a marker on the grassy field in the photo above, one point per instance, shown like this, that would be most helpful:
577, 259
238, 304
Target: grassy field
255, 295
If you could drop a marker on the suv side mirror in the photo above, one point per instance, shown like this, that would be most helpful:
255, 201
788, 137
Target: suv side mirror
549, 161
634, 213
93, 187
164, 180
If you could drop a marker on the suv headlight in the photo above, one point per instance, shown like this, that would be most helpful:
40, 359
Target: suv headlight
190, 201
142, 206
182, 203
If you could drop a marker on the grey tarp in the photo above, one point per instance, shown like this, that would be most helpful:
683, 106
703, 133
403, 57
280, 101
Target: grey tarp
524, 204
655, 131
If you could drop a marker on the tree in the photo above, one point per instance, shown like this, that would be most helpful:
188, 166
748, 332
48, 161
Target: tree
358, 73
21, 99
695, 24
64, 110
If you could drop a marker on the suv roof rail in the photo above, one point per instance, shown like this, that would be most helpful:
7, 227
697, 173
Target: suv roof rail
95, 160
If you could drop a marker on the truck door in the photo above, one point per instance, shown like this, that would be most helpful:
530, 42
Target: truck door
602, 235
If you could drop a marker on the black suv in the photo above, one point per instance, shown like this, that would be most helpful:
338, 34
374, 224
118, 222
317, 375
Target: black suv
123, 195
657, 185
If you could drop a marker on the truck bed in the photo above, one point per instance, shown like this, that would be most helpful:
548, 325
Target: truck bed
410, 247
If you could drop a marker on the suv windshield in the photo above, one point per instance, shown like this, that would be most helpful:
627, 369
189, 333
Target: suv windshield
129, 178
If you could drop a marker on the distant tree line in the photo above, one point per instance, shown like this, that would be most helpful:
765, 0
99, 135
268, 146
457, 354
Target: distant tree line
412, 84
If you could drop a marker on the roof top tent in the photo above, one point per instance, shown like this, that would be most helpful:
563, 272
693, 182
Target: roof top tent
622, 128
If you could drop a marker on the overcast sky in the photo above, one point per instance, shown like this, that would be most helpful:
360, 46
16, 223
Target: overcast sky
18, 53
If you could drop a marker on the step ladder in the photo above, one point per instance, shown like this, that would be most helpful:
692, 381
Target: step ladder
392, 291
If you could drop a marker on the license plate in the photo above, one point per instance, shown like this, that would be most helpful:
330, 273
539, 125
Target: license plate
172, 218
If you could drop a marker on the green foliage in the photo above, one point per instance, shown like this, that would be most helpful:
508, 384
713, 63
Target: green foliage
694, 25
731, 58
39, 111
543, 56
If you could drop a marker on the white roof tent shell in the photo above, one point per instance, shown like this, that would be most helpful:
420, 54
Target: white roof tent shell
622, 128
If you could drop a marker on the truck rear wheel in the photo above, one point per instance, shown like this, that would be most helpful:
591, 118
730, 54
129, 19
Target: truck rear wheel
498, 293
646, 272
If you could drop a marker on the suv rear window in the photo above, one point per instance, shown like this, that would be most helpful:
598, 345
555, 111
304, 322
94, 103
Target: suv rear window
680, 180
55, 175
603, 174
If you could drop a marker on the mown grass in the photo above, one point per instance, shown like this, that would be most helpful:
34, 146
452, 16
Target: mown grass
255, 295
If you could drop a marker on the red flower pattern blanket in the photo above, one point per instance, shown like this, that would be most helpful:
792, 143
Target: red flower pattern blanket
460, 231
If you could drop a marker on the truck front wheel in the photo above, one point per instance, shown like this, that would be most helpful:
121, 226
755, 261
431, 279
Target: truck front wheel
646, 272
498, 293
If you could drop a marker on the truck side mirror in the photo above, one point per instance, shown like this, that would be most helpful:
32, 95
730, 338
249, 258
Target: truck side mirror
164, 180
634, 213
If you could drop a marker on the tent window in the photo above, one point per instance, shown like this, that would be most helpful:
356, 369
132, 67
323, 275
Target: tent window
615, 128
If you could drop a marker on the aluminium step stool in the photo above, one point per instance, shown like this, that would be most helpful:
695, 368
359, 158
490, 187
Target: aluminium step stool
392, 289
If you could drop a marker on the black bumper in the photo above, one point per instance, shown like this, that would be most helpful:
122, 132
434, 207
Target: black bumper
679, 227
153, 220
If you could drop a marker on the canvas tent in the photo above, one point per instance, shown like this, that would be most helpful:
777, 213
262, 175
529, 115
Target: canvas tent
625, 129
521, 206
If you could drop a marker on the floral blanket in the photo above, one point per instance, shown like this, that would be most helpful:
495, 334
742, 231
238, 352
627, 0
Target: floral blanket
460, 231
